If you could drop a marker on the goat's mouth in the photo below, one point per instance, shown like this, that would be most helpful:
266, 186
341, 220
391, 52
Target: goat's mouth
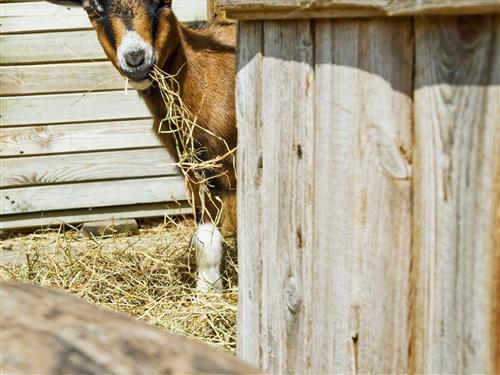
141, 84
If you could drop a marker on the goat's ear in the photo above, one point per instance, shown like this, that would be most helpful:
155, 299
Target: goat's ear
71, 3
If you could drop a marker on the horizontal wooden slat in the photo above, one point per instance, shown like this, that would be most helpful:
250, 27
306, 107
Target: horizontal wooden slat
276, 9
41, 16
71, 77
18, 17
31, 220
33, 140
91, 194
50, 47
47, 109
39, 170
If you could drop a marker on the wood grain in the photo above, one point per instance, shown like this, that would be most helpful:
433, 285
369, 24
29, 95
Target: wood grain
457, 190
51, 332
296, 9
250, 163
92, 194
51, 47
56, 218
32, 17
50, 139
45, 170
29, 17
80, 107
362, 196
47, 78
327, 208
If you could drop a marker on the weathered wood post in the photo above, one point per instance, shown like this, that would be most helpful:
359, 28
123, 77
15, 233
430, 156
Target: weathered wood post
369, 185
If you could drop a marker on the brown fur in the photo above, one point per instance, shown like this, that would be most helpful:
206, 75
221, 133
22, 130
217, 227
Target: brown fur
205, 60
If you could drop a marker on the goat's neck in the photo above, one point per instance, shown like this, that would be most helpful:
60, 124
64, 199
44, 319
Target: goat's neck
183, 62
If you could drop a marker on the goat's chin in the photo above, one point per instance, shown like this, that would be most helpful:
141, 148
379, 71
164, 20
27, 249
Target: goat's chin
141, 85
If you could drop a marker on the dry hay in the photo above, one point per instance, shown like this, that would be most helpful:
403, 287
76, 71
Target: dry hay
182, 123
150, 276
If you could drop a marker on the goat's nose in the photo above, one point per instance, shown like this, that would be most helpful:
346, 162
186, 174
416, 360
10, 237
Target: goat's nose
135, 58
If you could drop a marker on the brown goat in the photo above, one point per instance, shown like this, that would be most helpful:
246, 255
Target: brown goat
137, 35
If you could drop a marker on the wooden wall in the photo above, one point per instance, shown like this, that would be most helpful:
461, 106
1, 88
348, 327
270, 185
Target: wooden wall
75, 145
369, 193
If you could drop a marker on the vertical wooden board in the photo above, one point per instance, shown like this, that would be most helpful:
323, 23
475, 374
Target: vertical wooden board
248, 112
362, 196
457, 195
287, 185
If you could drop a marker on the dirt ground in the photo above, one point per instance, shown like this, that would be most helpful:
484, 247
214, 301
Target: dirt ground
150, 276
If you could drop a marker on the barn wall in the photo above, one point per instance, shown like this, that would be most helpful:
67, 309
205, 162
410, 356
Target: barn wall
369, 194
75, 145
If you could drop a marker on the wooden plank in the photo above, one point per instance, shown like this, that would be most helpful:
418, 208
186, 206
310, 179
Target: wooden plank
250, 240
51, 218
92, 194
44, 170
278, 9
50, 47
98, 106
457, 196
287, 177
22, 17
362, 196
47, 78
41, 16
330, 200
50, 139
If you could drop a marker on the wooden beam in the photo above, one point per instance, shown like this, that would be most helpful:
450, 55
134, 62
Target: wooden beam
289, 9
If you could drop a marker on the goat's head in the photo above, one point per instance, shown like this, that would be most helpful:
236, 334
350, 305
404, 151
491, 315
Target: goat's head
135, 34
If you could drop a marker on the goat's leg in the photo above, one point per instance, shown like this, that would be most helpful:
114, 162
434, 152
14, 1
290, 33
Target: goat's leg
208, 242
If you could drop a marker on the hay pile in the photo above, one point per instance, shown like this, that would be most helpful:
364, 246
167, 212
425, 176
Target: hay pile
150, 276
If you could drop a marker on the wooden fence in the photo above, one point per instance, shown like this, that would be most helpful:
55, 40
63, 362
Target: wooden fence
75, 146
369, 185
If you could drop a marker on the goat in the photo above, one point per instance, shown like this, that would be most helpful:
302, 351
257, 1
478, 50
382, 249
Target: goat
136, 35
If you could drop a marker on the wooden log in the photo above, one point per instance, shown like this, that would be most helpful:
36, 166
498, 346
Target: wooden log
50, 332
325, 194
456, 324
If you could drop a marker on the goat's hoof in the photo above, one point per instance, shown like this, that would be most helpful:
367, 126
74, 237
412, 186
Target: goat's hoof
204, 286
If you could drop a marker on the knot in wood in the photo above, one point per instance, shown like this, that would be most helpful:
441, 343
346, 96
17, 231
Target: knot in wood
293, 298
